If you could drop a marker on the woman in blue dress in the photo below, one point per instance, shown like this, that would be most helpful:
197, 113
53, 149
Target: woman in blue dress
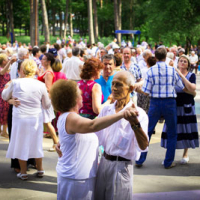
187, 130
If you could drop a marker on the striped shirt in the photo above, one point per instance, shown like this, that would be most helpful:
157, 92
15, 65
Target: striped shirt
134, 69
161, 80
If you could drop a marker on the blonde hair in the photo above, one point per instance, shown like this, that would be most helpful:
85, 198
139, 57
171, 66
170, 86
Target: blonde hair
9, 51
57, 65
29, 67
3, 57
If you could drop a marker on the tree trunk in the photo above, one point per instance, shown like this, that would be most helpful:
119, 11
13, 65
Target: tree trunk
90, 22
32, 24
11, 20
45, 21
70, 21
101, 3
3, 29
34, 30
60, 22
66, 19
7, 20
116, 10
96, 30
36, 23
54, 22
188, 45
119, 20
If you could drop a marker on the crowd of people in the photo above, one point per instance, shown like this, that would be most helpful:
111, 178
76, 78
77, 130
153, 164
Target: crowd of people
95, 97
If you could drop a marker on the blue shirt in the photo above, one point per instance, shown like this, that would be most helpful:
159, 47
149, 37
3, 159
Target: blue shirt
105, 86
161, 80
134, 69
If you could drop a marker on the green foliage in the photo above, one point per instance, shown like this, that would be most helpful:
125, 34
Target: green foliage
170, 21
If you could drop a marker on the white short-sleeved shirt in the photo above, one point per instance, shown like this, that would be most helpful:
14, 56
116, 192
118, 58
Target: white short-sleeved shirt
31, 93
119, 139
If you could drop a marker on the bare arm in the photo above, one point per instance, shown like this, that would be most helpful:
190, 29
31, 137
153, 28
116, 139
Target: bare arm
7, 91
96, 99
84, 125
6, 68
46, 102
139, 90
48, 80
190, 92
190, 86
138, 84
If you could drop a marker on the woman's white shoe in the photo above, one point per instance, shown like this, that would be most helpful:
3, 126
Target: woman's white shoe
184, 160
22, 176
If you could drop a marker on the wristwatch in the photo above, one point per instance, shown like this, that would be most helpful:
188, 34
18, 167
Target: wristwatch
136, 126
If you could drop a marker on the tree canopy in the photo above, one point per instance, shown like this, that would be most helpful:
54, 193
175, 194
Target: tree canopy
173, 22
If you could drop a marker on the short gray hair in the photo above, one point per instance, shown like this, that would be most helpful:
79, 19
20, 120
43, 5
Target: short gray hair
108, 57
146, 53
75, 51
21, 53
69, 51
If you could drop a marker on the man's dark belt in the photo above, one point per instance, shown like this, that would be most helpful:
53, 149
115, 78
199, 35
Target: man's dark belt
114, 158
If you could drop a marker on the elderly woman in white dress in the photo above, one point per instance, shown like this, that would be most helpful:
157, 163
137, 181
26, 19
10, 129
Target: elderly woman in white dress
27, 122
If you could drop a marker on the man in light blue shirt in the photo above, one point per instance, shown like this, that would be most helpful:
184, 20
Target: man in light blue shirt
106, 78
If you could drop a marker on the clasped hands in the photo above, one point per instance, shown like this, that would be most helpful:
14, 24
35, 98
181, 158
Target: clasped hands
130, 114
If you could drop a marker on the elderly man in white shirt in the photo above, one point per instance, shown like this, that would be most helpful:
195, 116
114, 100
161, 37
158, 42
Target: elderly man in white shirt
193, 61
123, 143
22, 54
72, 67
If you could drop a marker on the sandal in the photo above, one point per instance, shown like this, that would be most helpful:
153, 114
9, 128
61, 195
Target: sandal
47, 136
4, 135
40, 174
53, 148
22, 176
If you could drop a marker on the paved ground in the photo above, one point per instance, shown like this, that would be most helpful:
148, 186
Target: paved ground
151, 182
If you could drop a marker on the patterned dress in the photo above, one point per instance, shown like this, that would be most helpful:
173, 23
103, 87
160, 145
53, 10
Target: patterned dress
86, 87
4, 106
187, 130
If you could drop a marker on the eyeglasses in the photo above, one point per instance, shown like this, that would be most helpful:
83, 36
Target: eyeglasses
183, 61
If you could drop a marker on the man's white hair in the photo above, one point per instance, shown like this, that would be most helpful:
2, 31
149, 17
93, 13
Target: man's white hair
170, 55
69, 51
21, 53
146, 52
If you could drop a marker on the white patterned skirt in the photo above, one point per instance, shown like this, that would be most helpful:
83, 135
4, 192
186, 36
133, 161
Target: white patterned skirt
26, 138
48, 114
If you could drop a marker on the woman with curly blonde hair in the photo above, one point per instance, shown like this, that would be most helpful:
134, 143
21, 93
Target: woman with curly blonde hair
27, 123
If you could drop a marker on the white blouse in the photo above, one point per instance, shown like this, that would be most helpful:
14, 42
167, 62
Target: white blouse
32, 95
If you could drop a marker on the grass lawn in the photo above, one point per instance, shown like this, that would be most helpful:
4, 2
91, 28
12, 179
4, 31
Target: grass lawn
26, 39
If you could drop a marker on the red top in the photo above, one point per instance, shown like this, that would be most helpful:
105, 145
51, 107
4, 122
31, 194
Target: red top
59, 75
86, 87
41, 78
